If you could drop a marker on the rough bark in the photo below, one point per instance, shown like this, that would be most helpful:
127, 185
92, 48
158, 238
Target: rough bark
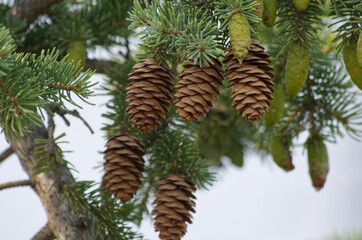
44, 234
63, 223
29, 10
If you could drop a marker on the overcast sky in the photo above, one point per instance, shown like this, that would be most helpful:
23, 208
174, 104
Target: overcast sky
256, 202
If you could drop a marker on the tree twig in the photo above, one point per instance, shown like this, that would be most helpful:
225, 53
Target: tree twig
19, 183
62, 112
45, 233
99, 65
7, 153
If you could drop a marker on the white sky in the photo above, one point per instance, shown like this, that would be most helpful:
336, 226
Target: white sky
257, 202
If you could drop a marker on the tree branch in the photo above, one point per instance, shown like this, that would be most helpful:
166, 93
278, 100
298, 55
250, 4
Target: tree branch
45, 233
99, 65
7, 153
29, 10
20, 183
61, 220
51, 152
62, 112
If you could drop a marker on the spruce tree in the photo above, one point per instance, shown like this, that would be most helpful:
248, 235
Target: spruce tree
198, 87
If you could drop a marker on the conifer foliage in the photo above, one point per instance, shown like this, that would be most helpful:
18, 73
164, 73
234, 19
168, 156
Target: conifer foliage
193, 92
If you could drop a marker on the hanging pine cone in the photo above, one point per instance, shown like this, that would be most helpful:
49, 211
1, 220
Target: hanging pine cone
270, 12
77, 53
173, 205
279, 149
239, 33
296, 68
301, 5
251, 82
196, 88
124, 165
317, 161
351, 62
149, 94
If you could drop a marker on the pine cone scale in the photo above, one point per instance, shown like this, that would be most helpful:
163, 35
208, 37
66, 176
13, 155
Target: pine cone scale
251, 82
197, 86
149, 94
123, 165
173, 206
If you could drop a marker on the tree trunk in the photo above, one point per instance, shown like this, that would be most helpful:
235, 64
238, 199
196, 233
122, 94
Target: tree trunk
64, 224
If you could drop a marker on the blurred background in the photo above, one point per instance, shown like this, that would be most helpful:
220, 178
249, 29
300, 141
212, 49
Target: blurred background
257, 202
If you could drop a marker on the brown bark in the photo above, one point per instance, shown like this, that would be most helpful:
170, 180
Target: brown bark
13, 184
63, 223
29, 10
7, 153
44, 234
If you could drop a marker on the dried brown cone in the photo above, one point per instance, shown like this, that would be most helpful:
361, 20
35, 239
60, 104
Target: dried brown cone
149, 94
123, 165
251, 82
196, 88
174, 205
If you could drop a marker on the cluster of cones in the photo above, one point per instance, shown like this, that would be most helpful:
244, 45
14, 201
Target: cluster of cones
149, 96
149, 93
124, 166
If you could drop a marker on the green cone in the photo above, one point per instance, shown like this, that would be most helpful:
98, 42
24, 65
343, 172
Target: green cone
239, 33
359, 50
318, 162
219, 135
276, 107
351, 62
296, 69
270, 12
259, 9
77, 53
280, 152
301, 5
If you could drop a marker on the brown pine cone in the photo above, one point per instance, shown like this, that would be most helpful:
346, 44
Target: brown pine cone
124, 165
251, 82
173, 206
149, 94
196, 88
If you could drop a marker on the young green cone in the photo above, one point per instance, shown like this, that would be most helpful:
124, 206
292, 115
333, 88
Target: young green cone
296, 69
318, 162
77, 53
269, 12
276, 106
301, 5
279, 150
359, 50
259, 9
239, 33
351, 62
